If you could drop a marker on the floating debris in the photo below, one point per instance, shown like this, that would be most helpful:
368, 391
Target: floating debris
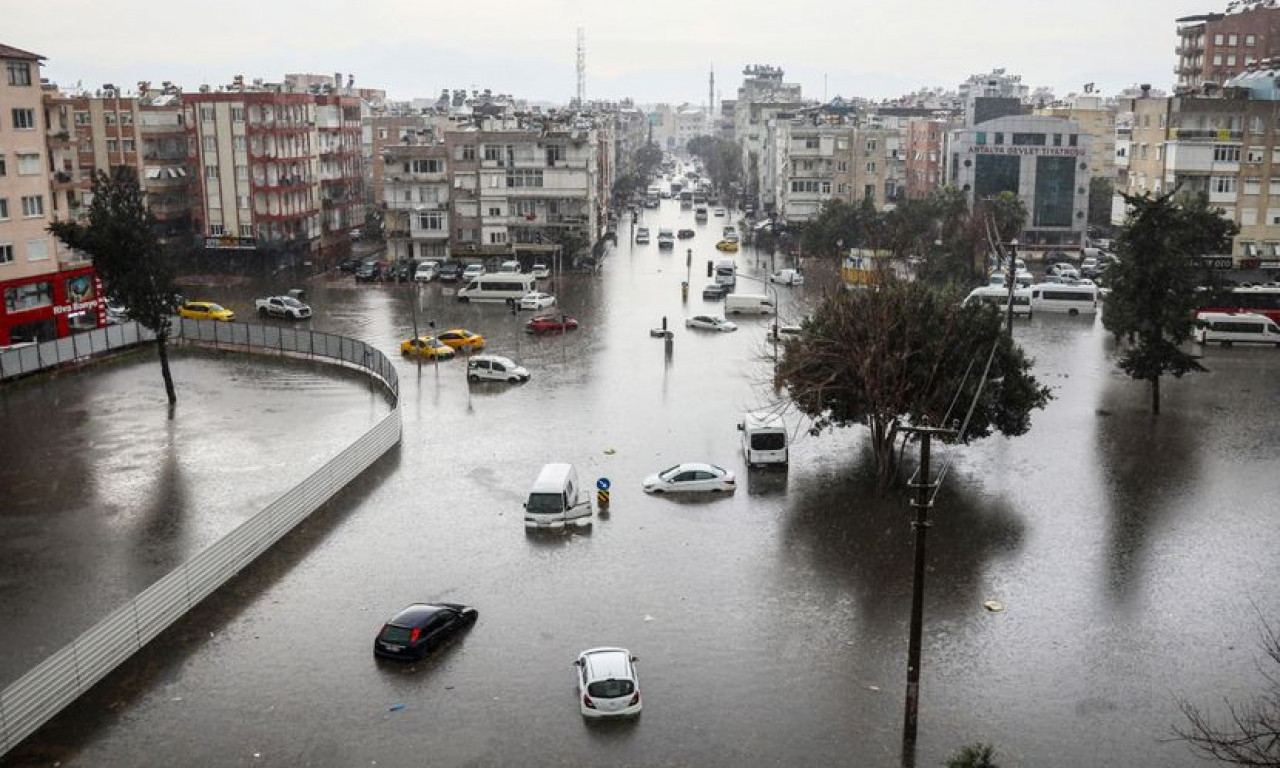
995, 606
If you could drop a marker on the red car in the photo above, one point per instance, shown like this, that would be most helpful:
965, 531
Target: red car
549, 323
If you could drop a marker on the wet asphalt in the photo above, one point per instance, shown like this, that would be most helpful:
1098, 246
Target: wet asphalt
1132, 555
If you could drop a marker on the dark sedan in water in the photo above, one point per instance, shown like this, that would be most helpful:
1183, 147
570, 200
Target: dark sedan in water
420, 628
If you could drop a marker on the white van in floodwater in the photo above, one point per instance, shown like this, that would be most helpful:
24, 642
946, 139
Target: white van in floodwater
998, 296
557, 499
1060, 297
1240, 327
748, 303
764, 439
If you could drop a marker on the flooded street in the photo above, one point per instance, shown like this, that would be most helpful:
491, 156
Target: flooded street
1133, 555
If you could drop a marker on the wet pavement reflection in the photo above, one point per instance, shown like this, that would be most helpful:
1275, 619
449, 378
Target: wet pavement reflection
771, 625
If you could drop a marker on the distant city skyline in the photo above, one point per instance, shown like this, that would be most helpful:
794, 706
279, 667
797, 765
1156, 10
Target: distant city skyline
662, 54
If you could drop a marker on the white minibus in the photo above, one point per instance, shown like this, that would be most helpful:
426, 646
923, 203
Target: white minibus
1228, 328
998, 296
497, 287
1060, 297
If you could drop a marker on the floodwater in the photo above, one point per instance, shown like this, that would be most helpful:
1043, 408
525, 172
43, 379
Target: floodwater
1133, 556
104, 493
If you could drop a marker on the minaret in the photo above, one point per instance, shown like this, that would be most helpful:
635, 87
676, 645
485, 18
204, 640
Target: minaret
711, 101
582, 68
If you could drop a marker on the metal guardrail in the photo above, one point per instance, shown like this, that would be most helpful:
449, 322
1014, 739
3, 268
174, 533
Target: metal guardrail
54, 683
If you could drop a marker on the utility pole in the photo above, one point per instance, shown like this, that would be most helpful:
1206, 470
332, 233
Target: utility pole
1013, 260
921, 525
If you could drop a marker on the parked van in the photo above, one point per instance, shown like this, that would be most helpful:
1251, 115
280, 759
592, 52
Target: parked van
764, 439
726, 273
510, 268
1060, 297
748, 303
1244, 327
557, 499
998, 296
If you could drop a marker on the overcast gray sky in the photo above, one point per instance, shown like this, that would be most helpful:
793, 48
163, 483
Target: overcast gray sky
657, 50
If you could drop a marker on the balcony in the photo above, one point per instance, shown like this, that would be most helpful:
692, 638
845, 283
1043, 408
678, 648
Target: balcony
1211, 135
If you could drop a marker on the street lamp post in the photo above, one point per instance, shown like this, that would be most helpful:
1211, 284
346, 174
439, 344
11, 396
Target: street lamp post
1012, 272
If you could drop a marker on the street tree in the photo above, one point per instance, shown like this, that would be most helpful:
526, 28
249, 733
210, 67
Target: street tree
1101, 192
1250, 733
902, 354
1156, 283
648, 159
974, 756
722, 159
120, 237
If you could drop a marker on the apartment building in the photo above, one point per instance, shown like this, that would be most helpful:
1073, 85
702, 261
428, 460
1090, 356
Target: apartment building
276, 170
1042, 160
926, 154
87, 134
499, 187
49, 291
1214, 47
837, 161
1223, 146
1097, 118
764, 103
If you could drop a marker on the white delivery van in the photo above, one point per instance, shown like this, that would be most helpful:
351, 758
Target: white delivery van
764, 439
748, 303
557, 499
726, 273
1228, 328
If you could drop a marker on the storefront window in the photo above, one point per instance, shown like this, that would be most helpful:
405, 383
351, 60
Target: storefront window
30, 296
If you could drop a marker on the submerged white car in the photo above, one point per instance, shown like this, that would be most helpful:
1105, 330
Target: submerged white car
690, 477
607, 683
787, 277
496, 368
710, 323
537, 300
541, 271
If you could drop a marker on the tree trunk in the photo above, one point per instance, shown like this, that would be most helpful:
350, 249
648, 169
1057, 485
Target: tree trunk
162, 346
883, 436
1155, 395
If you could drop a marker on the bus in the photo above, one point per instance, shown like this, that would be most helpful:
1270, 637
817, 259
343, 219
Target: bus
686, 200
998, 297
1261, 300
1060, 297
1243, 327
497, 287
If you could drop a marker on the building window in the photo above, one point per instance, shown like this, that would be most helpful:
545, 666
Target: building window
239, 143
1255, 155
6, 253
495, 153
1226, 153
1253, 186
433, 220
4, 209
109, 118
128, 145
424, 166
113, 146
1256, 125
1233, 40
19, 72
871, 167
246, 230
1217, 39
1029, 139
842, 189
842, 166
33, 206
495, 211
1217, 59
242, 173
524, 177
468, 151
29, 164
29, 296
555, 154
1222, 184
1057, 139
242, 202
826, 187
210, 144
999, 137
497, 238
237, 114
1231, 60
24, 119
38, 249
211, 171
206, 113
82, 118
871, 145
1249, 40
811, 142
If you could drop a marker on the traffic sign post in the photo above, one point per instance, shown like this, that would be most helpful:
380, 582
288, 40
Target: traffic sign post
602, 492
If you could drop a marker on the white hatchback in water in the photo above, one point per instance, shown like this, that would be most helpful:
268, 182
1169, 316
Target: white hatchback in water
537, 300
607, 683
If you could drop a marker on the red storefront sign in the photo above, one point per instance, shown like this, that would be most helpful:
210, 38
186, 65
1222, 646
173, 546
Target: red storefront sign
50, 306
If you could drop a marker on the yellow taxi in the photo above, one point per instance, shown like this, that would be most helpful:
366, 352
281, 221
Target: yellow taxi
460, 338
727, 245
205, 310
428, 347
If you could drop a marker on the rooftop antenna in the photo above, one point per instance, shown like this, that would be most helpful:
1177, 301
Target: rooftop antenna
582, 67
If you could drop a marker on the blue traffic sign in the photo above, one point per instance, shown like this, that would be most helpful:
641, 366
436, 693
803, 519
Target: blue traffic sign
603, 484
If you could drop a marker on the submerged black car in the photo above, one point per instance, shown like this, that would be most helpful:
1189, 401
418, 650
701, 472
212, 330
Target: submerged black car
418, 629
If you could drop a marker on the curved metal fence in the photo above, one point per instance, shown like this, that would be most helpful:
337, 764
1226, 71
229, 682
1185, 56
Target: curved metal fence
41, 693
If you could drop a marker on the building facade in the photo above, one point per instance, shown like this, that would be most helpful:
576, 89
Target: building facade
275, 169
1041, 160
49, 291
1214, 47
